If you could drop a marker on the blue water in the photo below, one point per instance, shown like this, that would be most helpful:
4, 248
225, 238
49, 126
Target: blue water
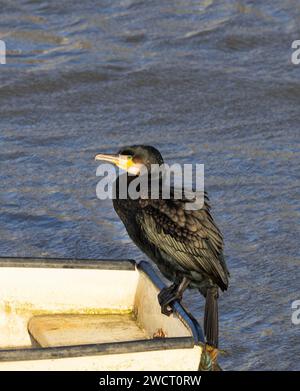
205, 82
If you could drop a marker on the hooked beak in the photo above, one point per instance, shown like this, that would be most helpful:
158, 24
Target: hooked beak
115, 159
122, 161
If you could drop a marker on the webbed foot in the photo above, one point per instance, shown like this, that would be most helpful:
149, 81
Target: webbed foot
165, 298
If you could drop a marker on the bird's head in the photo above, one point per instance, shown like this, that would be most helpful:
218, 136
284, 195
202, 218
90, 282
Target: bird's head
134, 158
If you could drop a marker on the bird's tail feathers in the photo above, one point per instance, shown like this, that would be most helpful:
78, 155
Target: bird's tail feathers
211, 318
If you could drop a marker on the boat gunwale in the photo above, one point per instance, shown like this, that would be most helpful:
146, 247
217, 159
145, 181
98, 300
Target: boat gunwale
68, 263
60, 352
145, 345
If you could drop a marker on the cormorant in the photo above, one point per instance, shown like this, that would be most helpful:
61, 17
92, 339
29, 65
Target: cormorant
186, 245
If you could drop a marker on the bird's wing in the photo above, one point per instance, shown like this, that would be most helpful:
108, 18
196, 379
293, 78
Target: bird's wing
189, 237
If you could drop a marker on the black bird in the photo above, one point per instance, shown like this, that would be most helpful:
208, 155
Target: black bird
186, 245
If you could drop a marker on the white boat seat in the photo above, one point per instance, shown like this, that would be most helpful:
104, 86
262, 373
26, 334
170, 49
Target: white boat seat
68, 330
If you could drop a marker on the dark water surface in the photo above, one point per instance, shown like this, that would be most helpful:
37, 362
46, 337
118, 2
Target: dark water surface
204, 81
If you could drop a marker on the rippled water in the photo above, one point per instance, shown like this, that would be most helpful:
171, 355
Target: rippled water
204, 81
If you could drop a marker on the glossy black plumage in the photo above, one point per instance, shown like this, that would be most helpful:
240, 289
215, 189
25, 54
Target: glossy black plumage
186, 245
189, 236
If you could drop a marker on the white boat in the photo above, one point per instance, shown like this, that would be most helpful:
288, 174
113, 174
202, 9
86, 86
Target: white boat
103, 315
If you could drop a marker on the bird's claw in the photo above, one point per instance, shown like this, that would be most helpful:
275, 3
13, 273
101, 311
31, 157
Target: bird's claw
166, 297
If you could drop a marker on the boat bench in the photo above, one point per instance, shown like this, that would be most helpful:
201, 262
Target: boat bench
67, 329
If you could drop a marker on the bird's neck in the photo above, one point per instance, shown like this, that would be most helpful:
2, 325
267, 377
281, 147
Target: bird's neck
131, 187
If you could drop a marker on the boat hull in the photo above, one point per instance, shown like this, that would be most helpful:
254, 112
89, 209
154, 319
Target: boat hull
90, 315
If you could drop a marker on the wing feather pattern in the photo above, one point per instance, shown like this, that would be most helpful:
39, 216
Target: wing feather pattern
190, 237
